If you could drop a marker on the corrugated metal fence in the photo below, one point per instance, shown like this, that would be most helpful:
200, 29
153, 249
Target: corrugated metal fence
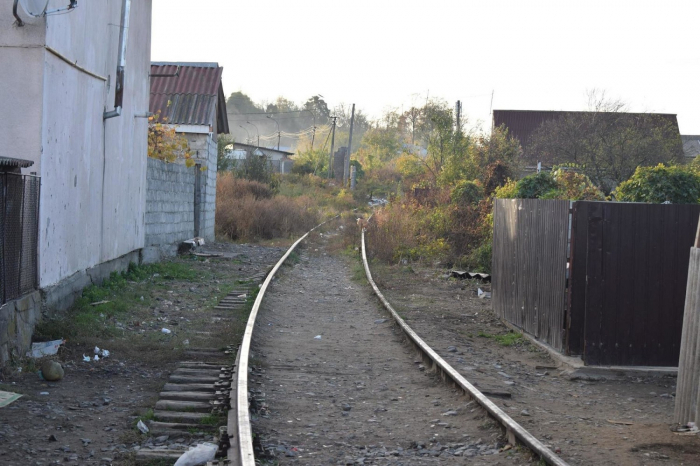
529, 265
628, 271
19, 220
629, 274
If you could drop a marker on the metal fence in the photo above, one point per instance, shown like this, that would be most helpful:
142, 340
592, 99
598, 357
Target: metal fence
19, 223
529, 265
621, 299
628, 285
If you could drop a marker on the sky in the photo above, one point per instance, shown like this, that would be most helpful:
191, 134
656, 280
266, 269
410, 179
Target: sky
385, 54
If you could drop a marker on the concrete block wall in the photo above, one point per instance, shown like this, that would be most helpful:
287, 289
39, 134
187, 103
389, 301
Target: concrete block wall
169, 203
209, 194
17, 321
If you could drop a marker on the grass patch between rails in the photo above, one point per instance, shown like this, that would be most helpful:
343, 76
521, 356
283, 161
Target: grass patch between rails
509, 339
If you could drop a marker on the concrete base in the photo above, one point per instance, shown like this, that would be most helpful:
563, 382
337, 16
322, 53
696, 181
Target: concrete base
152, 254
576, 368
61, 296
17, 321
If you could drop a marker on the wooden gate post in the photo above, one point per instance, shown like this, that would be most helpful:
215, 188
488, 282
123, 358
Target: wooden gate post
688, 384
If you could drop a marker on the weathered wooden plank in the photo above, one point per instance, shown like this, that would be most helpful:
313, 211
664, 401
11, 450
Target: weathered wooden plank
174, 378
189, 387
180, 405
187, 396
175, 416
688, 384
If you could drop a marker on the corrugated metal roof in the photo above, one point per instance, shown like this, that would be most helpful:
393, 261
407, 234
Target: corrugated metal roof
194, 97
522, 124
17, 163
271, 150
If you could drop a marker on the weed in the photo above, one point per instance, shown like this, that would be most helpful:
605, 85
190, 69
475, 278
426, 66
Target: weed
509, 339
293, 258
212, 420
149, 415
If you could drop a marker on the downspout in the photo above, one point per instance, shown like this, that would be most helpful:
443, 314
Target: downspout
121, 62
18, 21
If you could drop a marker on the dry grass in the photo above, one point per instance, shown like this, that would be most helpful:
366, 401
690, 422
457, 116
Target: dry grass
247, 211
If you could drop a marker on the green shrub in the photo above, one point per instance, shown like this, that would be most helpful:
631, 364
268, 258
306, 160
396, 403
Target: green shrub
536, 186
508, 191
467, 193
658, 184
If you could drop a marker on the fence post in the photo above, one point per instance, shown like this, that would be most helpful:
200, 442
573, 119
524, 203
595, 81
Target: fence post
688, 384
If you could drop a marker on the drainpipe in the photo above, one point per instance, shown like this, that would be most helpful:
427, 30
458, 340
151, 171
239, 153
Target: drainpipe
121, 62
18, 20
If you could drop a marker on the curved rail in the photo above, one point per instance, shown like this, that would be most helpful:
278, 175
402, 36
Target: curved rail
514, 431
239, 424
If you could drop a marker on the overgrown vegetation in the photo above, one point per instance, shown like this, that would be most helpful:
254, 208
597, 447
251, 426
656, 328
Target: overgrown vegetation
249, 210
440, 179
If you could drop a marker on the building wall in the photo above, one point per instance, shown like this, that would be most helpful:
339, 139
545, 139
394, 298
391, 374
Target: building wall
21, 84
169, 204
93, 171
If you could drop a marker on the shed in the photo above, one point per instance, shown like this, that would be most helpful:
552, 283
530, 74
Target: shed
278, 159
190, 96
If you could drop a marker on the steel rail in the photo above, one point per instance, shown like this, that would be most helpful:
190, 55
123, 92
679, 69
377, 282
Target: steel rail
514, 431
239, 423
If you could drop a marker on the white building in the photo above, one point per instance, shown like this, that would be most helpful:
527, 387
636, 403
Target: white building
58, 76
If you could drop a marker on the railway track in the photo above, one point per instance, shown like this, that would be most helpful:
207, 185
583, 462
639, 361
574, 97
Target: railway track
240, 434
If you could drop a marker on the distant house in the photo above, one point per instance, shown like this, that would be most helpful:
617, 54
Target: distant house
279, 160
190, 97
522, 124
691, 146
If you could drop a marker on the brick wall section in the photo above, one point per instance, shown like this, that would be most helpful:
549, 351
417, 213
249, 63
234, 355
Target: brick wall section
169, 203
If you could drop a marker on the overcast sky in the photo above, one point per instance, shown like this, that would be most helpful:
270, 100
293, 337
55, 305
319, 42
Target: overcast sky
382, 54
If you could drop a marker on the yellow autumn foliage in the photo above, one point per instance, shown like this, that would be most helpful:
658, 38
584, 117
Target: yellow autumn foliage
165, 144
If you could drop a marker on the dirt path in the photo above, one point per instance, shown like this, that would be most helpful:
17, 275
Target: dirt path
591, 420
335, 384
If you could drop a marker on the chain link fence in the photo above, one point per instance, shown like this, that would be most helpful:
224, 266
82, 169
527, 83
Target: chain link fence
19, 231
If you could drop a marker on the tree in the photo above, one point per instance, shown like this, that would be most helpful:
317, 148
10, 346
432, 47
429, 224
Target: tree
659, 184
319, 108
238, 102
223, 163
606, 143
165, 144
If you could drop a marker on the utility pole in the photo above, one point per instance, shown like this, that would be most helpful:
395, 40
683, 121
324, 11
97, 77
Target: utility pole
313, 136
458, 115
346, 168
330, 159
279, 134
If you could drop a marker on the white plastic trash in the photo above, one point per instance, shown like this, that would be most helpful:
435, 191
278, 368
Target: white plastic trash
101, 352
142, 427
317, 337
198, 455
166, 331
44, 348
86, 358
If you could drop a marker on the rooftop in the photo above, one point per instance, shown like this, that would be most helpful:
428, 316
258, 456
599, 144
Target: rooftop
189, 93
